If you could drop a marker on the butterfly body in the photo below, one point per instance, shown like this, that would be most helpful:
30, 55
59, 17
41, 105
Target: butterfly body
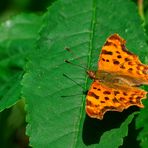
116, 81
114, 78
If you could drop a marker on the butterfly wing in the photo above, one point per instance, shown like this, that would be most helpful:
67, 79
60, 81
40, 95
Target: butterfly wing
115, 58
102, 98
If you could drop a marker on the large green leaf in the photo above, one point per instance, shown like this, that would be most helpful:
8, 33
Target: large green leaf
17, 38
83, 26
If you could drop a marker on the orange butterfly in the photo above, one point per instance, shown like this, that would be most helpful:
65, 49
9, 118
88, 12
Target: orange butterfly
116, 82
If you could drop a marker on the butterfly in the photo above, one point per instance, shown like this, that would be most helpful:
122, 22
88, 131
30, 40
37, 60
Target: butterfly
116, 83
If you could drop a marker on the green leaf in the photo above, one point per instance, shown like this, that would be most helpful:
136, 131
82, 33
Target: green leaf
17, 38
141, 124
9, 93
116, 134
83, 26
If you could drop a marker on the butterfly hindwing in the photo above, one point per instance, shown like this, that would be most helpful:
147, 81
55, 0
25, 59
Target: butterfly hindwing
102, 98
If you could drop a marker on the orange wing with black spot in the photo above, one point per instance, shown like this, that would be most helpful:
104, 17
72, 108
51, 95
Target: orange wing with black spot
102, 98
116, 58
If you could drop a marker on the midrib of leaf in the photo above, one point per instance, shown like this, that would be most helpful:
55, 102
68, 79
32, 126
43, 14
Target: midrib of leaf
92, 29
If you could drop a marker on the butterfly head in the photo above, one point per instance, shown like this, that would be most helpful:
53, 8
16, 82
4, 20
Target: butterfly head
91, 74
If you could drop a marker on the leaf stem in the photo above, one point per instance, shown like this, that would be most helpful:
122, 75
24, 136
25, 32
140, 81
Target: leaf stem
140, 8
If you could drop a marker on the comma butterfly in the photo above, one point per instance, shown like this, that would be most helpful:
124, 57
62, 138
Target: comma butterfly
115, 85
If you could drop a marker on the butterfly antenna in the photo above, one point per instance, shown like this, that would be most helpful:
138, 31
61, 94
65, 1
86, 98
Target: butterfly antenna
68, 49
73, 55
75, 64
84, 91
72, 80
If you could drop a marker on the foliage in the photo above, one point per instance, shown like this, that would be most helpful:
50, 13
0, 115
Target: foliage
32, 54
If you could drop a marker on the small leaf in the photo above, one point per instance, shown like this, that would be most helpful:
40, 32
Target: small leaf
114, 137
17, 38
141, 123
9, 93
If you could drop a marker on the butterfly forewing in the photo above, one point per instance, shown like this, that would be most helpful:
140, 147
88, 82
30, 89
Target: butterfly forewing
115, 58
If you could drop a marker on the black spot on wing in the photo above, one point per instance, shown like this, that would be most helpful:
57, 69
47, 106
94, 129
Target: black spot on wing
122, 67
106, 92
105, 60
116, 93
121, 98
102, 101
106, 98
127, 59
106, 52
115, 100
93, 95
130, 69
94, 87
110, 44
118, 52
125, 94
119, 56
115, 37
116, 62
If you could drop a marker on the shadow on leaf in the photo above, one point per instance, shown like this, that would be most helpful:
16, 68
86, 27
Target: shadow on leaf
93, 129
131, 138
